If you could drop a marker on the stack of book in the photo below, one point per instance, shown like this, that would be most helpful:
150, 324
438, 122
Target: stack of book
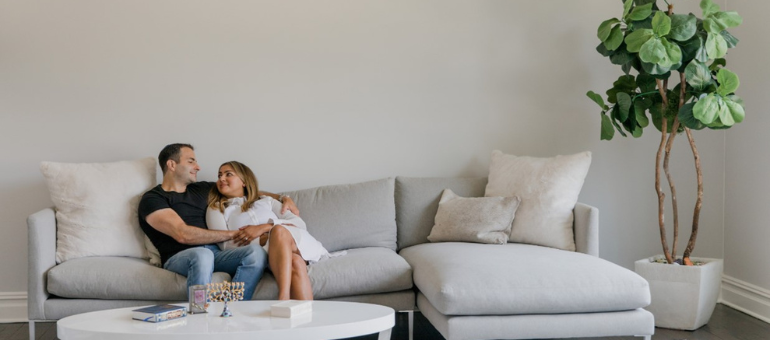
159, 313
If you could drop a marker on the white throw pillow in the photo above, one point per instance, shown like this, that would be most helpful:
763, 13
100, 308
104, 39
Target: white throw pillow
548, 188
473, 219
96, 207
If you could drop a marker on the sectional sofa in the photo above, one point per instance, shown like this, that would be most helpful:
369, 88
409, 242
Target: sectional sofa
466, 290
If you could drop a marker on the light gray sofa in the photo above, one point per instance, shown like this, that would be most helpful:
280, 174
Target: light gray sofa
467, 291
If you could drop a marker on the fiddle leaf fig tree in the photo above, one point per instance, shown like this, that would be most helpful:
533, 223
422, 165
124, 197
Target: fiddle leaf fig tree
650, 44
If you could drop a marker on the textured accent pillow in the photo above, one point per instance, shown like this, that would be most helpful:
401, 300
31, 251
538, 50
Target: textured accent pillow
474, 219
96, 207
548, 188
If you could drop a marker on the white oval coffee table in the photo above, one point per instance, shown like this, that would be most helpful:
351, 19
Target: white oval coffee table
250, 320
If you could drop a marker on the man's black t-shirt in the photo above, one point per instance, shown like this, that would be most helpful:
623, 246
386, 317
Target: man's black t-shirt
190, 205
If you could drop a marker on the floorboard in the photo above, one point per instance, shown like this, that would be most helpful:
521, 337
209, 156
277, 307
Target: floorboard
725, 324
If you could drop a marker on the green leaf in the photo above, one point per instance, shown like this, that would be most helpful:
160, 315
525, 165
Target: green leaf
636, 39
716, 46
736, 99
627, 67
728, 82
708, 7
661, 24
605, 27
687, 119
690, 49
621, 56
603, 50
683, 27
701, 54
614, 117
726, 20
639, 112
653, 52
706, 110
625, 83
724, 113
717, 63
656, 70
624, 101
627, 7
712, 26
736, 110
646, 82
615, 39
673, 53
597, 98
607, 131
731, 40
697, 75
641, 12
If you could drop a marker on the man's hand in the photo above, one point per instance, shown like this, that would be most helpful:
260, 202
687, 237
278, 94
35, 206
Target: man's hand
288, 204
167, 221
245, 235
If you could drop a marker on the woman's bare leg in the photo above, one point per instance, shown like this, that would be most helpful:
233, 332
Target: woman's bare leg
300, 281
279, 254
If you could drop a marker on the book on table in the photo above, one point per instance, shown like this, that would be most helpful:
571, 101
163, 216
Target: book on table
159, 313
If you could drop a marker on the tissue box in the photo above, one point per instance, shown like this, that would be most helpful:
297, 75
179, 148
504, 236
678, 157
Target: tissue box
291, 308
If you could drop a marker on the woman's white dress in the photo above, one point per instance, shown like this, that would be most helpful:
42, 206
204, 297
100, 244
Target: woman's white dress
265, 210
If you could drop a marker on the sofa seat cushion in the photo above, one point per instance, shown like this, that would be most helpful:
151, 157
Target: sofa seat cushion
361, 271
484, 279
118, 278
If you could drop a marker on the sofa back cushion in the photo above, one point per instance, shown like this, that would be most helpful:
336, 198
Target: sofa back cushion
417, 203
96, 207
350, 215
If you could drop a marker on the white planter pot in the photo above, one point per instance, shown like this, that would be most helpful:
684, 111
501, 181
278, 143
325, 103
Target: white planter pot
683, 297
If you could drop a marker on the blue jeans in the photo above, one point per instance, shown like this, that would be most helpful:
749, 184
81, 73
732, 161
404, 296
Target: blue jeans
244, 264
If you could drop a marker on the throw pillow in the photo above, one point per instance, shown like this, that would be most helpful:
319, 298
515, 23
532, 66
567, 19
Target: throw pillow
475, 219
548, 188
96, 207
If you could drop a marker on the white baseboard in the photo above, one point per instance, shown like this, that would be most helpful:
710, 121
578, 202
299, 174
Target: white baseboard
13, 307
746, 297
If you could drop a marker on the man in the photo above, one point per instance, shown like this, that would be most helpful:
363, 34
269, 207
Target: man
173, 215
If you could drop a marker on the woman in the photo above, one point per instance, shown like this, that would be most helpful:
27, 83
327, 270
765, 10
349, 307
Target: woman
234, 205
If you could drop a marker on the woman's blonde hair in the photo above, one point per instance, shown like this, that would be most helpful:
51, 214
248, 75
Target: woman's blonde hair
251, 190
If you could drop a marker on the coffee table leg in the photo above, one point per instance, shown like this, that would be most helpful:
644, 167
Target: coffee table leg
385, 335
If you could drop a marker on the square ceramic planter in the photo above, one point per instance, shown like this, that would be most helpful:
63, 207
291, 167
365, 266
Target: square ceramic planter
683, 297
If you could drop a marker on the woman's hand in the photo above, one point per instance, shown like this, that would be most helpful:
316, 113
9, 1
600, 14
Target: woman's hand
245, 235
288, 204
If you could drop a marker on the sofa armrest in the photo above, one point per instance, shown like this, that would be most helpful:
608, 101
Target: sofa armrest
586, 229
42, 257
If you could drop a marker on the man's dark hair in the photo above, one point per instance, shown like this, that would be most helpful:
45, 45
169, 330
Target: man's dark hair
172, 152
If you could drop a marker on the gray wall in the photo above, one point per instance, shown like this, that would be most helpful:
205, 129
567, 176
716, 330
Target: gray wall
747, 165
313, 93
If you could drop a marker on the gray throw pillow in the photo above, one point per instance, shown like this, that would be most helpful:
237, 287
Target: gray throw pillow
473, 219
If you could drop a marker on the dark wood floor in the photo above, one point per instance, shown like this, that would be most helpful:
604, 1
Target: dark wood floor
725, 324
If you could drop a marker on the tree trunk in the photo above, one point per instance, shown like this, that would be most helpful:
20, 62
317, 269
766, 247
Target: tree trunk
659, 156
698, 202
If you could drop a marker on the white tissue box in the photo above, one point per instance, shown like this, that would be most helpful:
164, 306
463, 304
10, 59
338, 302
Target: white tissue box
291, 308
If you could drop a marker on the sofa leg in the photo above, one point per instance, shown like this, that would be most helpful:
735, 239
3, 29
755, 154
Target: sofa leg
410, 316
646, 337
31, 330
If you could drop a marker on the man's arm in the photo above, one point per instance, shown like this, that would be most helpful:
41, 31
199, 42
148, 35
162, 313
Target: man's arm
167, 221
288, 203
